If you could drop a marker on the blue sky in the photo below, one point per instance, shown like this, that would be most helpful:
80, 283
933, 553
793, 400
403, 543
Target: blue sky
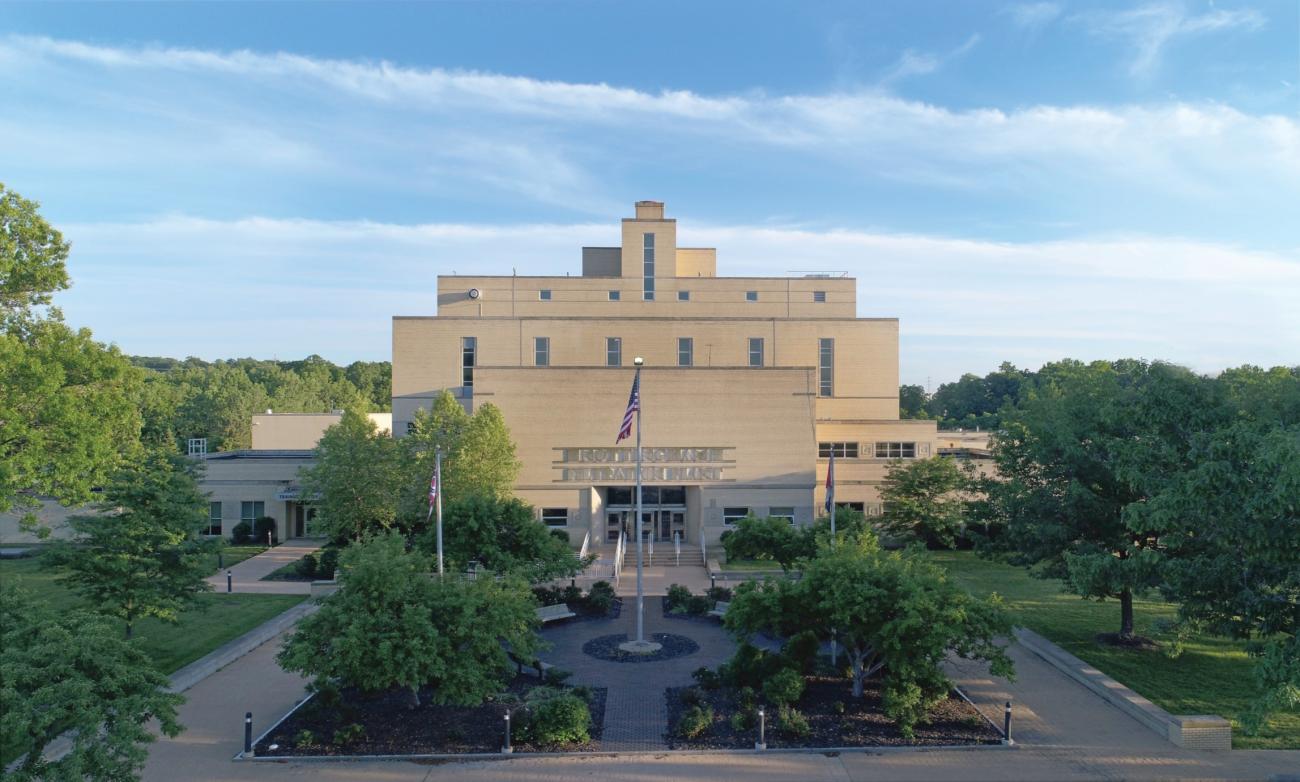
1014, 181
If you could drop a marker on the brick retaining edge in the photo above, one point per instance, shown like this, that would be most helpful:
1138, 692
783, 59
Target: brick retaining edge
1191, 731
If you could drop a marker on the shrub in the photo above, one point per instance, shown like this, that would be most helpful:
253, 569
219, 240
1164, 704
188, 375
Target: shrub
707, 678
328, 563
548, 596
349, 734
747, 698
556, 717
307, 567
785, 687
694, 721
748, 667
719, 593
242, 533
838, 707
261, 526
571, 594
801, 651
599, 601
690, 697
582, 691
743, 720
560, 535
601, 588
555, 676
678, 595
304, 738
697, 605
792, 722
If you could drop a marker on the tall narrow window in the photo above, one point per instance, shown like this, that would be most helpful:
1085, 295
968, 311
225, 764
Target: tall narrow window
214, 518
756, 351
685, 351
468, 349
542, 351
613, 352
648, 266
826, 367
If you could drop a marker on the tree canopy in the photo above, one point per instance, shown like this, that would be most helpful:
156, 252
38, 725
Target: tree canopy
924, 499
394, 625
502, 536
72, 672
355, 479
141, 555
769, 538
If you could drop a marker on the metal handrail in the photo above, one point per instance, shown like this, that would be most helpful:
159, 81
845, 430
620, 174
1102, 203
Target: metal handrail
586, 545
704, 552
677, 544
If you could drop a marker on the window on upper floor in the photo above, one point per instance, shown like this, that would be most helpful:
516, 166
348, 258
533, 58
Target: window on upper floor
648, 266
895, 450
613, 352
756, 351
615, 295
751, 295
541, 351
819, 297
683, 295
685, 351
544, 294
841, 450
825, 367
468, 353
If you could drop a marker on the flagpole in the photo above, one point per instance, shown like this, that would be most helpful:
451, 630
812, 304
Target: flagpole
640, 591
437, 471
830, 492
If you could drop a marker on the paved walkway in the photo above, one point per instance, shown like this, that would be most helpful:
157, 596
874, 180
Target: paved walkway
636, 713
247, 575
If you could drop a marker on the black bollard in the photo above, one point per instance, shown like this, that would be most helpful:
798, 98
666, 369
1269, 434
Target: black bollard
507, 749
1006, 725
230, 582
248, 733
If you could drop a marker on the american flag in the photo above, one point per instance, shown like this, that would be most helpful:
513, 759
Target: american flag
830, 483
433, 488
633, 407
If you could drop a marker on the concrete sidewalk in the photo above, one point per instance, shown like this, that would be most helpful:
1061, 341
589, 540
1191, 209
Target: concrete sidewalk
247, 575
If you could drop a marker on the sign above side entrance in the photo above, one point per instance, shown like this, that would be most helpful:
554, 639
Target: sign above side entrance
595, 465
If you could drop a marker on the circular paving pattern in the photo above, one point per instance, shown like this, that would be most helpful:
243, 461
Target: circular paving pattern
605, 647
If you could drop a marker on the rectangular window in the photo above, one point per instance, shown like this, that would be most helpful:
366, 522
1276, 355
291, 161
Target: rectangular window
895, 450
214, 518
683, 295
819, 297
685, 351
614, 295
751, 295
555, 517
468, 349
251, 511
826, 367
756, 351
648, 267
541, 351
410, 427
613, 352
732, 515
841, 450
857, 506
786, 513
544, 294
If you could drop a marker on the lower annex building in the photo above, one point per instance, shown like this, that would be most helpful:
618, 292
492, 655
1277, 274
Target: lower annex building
749, 385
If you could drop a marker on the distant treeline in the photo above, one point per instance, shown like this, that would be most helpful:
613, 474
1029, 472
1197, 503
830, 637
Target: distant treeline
195, 398
975, 401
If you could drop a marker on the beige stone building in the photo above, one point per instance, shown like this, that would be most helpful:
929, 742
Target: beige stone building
749, 385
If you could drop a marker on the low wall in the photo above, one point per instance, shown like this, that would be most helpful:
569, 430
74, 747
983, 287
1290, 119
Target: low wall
1192, 731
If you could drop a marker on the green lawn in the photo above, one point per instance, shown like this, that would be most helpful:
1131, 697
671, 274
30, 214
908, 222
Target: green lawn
215, 619
751, 564
233, 555
1213, 675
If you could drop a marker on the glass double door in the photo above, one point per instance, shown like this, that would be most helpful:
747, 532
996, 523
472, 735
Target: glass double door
659, 523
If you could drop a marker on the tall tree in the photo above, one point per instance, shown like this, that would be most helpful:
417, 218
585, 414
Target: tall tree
355, 478
393, 625
72, 673
503, 536
924, 499
911, 402
769, 538
141, 555
67, 413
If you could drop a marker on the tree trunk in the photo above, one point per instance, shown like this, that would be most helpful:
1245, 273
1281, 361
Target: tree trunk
413, 702
859, 674
1126, 614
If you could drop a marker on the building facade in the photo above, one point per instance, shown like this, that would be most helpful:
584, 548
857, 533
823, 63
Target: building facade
749, 385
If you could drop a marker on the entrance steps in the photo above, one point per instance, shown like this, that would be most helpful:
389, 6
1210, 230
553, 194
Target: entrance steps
666, 556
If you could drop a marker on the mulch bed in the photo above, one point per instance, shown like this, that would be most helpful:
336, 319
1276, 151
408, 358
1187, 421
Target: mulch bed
606, 648
393, 729
951, 722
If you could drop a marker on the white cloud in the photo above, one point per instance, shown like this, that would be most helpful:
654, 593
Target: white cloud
1033, 17
1149, 29
914, 63
964, 305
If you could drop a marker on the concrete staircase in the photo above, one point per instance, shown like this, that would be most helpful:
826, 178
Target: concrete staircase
666, 556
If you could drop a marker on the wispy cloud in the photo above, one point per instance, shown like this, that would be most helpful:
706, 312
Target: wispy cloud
1150, 29
1171, 298
1032, 17
914, 63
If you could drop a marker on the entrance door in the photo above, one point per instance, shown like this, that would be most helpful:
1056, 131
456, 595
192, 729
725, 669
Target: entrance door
613, 526
666, 525
647, 524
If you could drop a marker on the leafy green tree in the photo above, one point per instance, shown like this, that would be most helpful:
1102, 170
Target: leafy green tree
923, 499
394, 625
67, 417
503, 536
1077, 459
894, 613
911, 402
974, 401
72, 673
142, 555
355, 478
769, 538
